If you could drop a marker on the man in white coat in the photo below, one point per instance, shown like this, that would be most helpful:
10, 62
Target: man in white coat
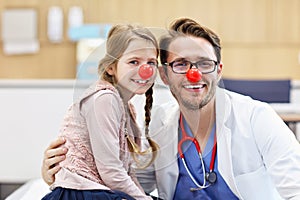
257, 155
214, 144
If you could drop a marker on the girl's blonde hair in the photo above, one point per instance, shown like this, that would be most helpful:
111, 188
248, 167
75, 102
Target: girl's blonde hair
117, 42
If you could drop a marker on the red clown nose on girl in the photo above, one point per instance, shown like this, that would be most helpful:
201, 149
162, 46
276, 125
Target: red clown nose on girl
146, 71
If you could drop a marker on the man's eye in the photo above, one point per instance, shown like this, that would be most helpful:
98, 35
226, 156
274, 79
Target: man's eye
179, 64
205, 64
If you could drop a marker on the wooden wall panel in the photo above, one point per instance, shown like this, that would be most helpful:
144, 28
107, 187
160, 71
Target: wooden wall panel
54, 61
244, 21
285, 21
265, 29
258, 62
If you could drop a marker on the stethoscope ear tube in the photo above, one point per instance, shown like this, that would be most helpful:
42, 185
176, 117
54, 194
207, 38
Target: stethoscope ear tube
211, 176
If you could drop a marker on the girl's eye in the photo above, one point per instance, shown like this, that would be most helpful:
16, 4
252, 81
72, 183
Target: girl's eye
152, 63
134, 62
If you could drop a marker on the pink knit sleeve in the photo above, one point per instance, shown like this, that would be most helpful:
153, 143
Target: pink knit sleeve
103, 115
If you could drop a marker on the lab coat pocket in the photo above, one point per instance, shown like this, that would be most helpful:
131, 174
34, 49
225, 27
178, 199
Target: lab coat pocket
256, 185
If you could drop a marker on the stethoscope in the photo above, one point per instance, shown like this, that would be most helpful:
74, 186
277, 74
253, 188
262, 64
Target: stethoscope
210, 176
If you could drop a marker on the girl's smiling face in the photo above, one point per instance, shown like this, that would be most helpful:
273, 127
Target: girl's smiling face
138, 52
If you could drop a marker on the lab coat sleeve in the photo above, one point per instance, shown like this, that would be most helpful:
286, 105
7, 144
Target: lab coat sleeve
146, 178
279, 149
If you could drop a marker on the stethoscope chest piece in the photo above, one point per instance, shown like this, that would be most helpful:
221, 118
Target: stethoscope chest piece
211, 177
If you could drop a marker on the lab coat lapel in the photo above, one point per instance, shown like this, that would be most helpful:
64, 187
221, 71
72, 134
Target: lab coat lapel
223, 107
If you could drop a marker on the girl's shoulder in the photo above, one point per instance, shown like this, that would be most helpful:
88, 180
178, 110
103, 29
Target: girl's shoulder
104, 85
102, 89
99, 86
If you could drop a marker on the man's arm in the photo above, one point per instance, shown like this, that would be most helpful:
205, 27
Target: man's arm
53, 155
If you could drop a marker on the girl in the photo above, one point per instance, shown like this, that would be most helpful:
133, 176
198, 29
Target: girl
100, 127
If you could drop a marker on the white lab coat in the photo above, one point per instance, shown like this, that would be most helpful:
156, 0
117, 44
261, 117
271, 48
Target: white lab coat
258, 155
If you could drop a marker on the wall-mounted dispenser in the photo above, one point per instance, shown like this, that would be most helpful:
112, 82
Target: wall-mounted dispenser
55, 24
19, 31
75, 16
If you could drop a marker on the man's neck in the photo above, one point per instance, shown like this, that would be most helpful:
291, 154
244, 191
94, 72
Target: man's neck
201, 122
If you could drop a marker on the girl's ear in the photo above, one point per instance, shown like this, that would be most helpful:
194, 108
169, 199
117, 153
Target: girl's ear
110, 70
163, 75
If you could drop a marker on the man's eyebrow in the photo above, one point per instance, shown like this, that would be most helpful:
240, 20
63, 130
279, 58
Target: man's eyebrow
203, 58
180, 58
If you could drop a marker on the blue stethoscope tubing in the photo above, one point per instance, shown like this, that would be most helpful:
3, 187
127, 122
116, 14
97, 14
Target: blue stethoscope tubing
210, 176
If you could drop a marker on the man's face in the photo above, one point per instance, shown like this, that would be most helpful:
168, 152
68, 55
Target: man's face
191, 95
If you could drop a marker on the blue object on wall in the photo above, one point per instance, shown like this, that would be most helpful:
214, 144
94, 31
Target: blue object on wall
88, 31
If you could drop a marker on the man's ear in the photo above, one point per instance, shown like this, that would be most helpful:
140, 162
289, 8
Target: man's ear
220, 67
219, 71
163, 75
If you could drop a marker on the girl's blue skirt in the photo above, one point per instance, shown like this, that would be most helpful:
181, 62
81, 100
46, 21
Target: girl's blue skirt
72, 194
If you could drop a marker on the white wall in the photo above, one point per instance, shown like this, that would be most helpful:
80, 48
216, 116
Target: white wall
31, 113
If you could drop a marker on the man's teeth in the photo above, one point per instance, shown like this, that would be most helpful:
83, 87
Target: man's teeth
194, 86
140, 81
